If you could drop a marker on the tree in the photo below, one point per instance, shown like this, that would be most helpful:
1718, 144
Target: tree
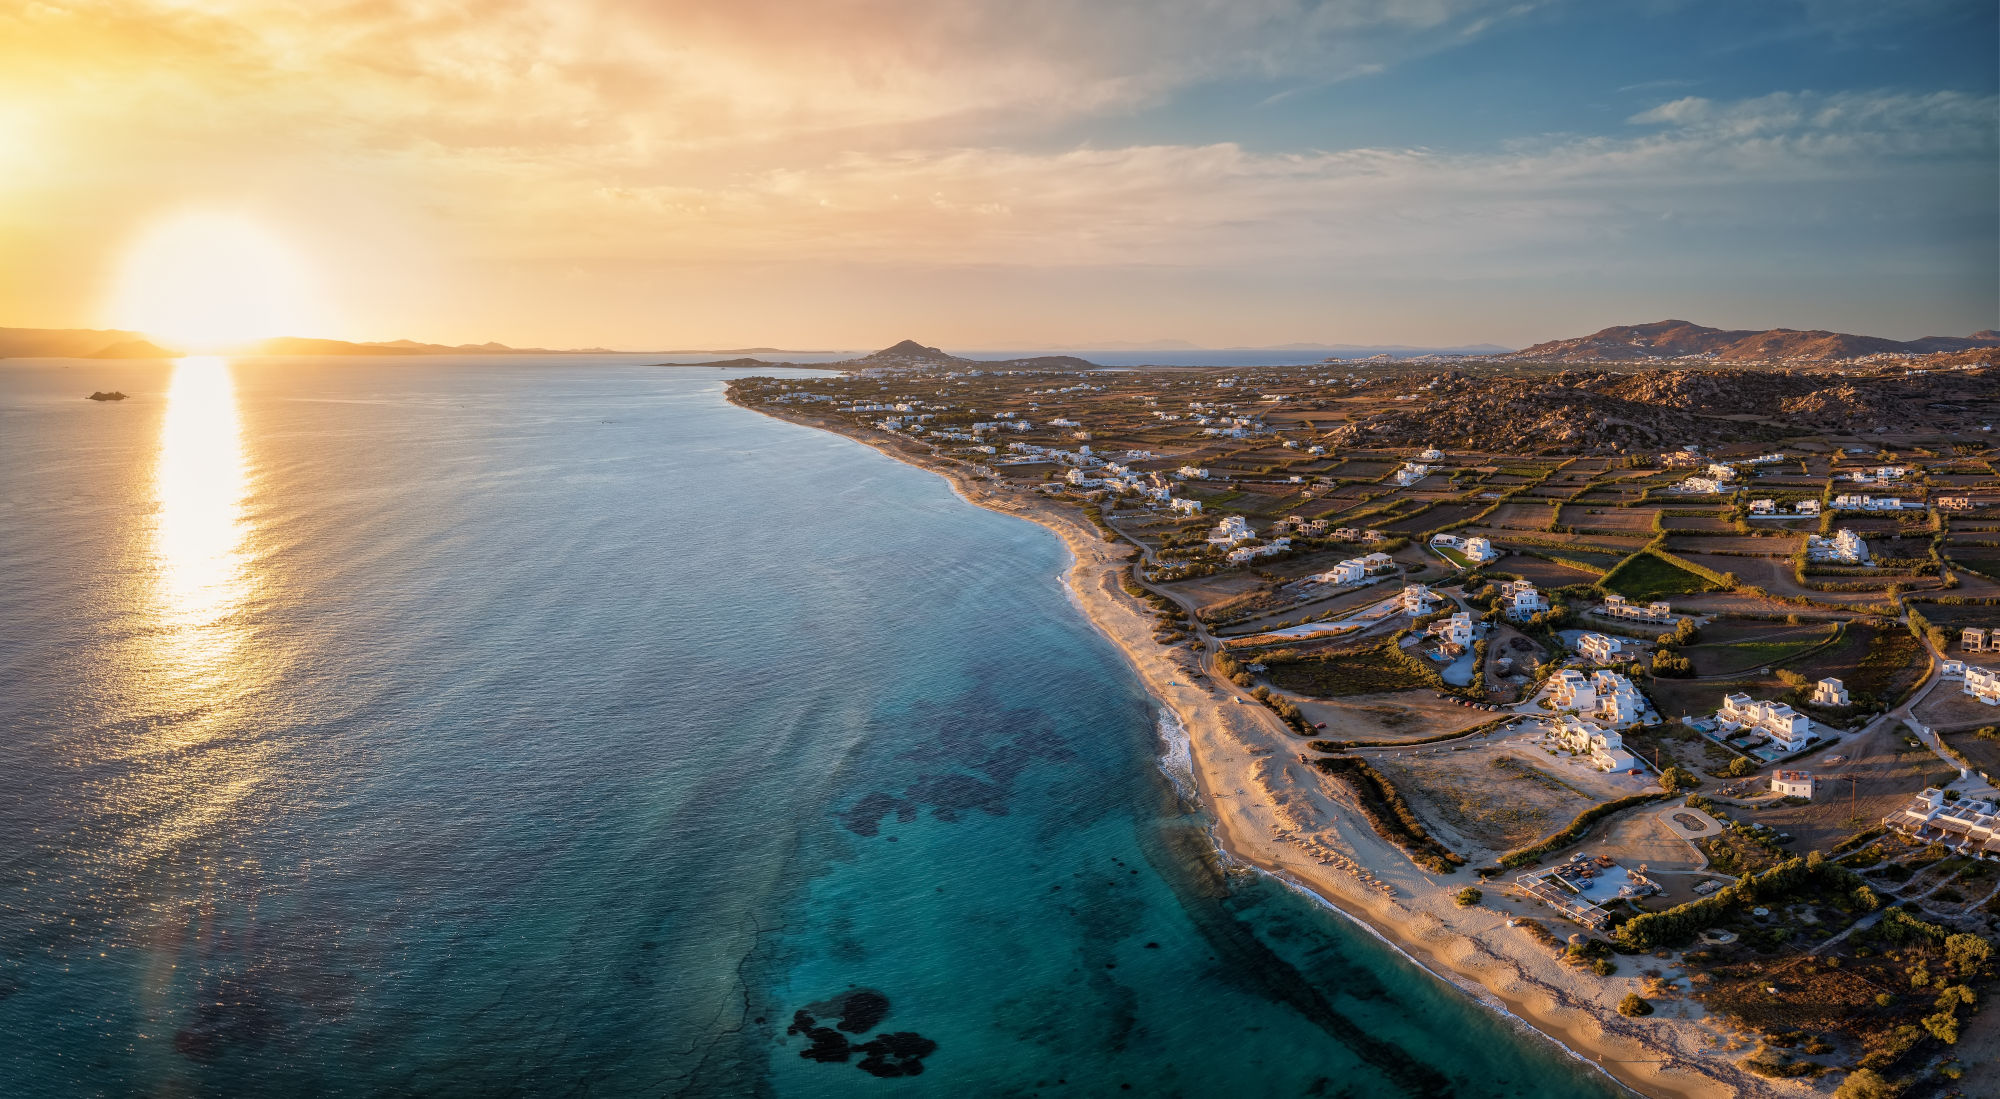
1967, 955
1740, 766
1865, 899
1634, 1005
1866, 1083
1677, 778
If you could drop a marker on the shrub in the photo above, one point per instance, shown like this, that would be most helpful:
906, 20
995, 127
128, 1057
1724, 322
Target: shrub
1469, 896
1866, 1083
1634, 1005
1677, 778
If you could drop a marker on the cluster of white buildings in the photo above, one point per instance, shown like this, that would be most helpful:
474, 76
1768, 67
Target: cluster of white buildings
1700, 486
1617, 606
1475, 549
1845, 548
1975, 640
1605, 697
1604, 748
1969, 826
1247, 554
1788, 727
1411, 473
1298, 525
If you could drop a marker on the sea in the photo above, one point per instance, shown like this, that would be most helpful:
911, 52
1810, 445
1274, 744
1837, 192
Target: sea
524, 726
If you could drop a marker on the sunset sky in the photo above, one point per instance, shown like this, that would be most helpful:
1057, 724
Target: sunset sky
1019, 173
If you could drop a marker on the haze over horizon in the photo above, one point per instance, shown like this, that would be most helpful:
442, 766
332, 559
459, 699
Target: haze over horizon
1425, 173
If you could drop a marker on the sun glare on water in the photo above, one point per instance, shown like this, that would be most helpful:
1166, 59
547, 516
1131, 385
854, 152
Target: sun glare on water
203, 282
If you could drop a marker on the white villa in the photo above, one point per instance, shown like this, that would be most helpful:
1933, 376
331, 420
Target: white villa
1721, 472
1845, 547
1969, 826
1699, 486
1983, 684
1605, 748
1975, 640
1193, 473
1251, 553
1597, 648
1230, 531
1431, 455
1411, 473
1863, 502
1480, 550
1830, 692
1378, 561
1417, 599
1793, 784
1806, 507
1780, 722
1617, 606
1191, 507
1603, 696
1456, 630
1571, 690
1523, 601
1448, 541
1350, 571
1763, 507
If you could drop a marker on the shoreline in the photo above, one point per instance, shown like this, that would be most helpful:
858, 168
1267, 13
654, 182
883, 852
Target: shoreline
1270, 813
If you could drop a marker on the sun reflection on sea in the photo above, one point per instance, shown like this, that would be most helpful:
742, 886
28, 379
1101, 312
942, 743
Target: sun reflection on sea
202, 567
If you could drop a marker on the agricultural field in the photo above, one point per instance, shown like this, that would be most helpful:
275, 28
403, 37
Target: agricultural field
1519, 516
1645, 577
1730, 544
1581, 516
1718, 523
1344, 671
1545, 574
1731, 648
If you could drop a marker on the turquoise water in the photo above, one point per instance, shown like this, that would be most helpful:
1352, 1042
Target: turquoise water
549, 728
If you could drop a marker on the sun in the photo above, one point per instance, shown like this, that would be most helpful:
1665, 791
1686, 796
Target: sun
210, 281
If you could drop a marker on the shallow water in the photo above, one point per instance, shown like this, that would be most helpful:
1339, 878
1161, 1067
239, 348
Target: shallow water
468, 727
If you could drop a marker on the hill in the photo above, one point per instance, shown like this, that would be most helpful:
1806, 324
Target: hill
1671, 339
911, 355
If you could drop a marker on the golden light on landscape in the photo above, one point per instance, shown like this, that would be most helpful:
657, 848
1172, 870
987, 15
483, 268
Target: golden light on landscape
210, 281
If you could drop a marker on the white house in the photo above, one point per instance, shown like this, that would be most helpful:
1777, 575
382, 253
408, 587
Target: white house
1411, 473
1605, 749
1619, 703
1721, 472
1448, 541
1571, 690
1193, 473
1763, 507
1969, 825
1830, 692
1081, 479
1973, 639
1479, 551
1698, 486
1417, 599
1616, 606
1983, 684
1806, 507
1456, 630
1431, 455
1597, 648
1377, 560
1952, 669
1350, 571
1774, 719
1793, 784
1523, 601
1190, 507
1230, 531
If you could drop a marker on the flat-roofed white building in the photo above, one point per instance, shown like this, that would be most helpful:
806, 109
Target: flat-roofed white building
1776, 720
1350, 571
1570, 689
1189, 507
1417, 599
1523, 601
1479, 551
1597, 648
1604, 748
1844, 548
1793, 784
1231, 530
1972, 639
1968, 826
1617, 606
1448, 541
1377, 561
1830, 692
1456, 630
1983, 684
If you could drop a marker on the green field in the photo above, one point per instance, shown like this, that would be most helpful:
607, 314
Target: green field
1452, 556
1355, 671
1646, 576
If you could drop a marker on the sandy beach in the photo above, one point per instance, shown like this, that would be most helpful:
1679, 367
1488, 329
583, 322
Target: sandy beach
1276, 814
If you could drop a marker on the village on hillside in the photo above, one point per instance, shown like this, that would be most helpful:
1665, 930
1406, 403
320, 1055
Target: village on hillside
1707, 694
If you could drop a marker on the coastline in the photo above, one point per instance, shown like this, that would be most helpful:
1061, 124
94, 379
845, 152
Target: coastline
1272, 813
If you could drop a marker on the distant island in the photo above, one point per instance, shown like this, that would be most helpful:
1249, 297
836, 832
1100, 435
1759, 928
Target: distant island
100, 395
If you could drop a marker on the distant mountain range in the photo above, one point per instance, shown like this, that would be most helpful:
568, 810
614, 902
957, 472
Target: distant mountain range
111, 343
1671, 339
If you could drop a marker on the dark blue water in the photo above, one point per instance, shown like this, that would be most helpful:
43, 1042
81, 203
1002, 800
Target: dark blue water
482, 727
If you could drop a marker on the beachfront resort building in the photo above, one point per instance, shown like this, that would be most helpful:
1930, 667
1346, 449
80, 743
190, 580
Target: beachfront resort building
1792, 784
1597, 648
1968, 826
1578, 889
1790, 728
1844, 548
1231, 530
1983, 684
1604, 748
1617, 606
1830, 692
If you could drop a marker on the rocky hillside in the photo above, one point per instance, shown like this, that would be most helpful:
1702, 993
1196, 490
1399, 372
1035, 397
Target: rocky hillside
1672, 339
1601, 411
